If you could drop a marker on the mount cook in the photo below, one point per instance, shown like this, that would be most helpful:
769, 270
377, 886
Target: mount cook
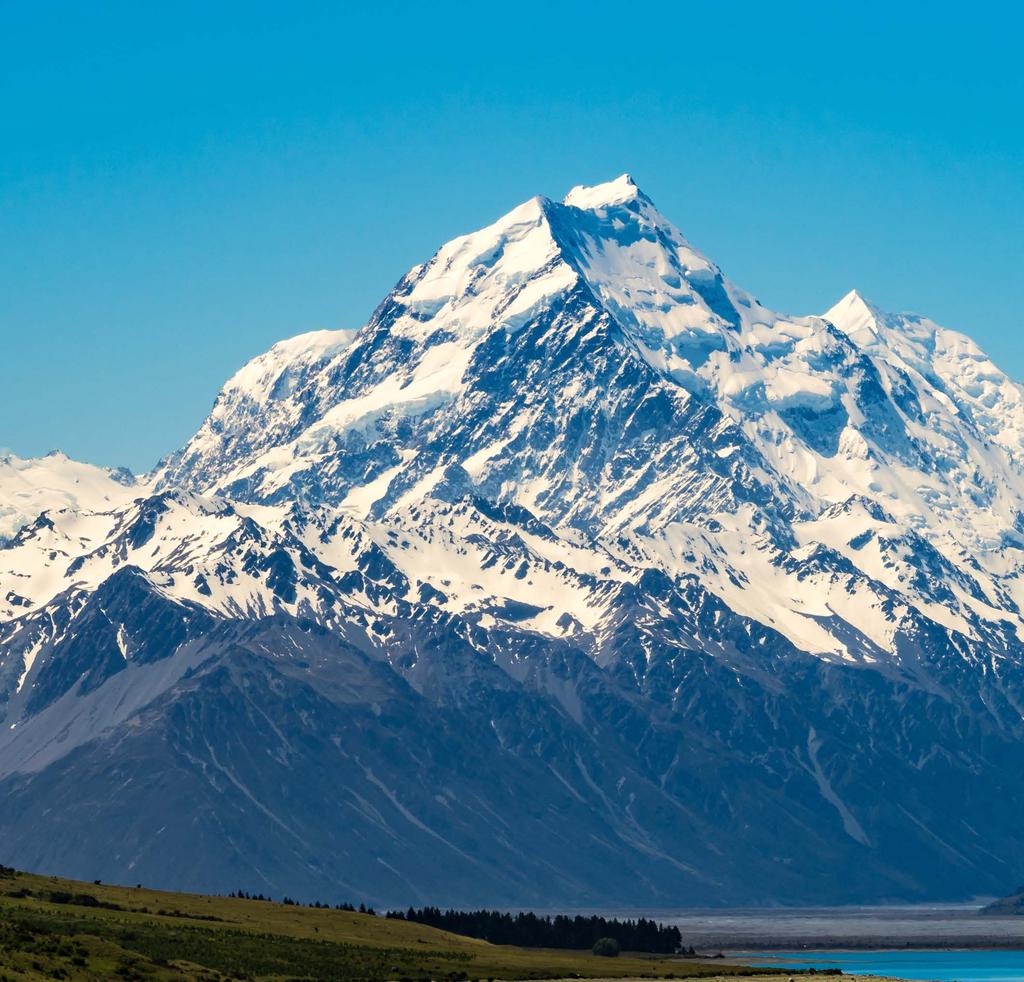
575, 576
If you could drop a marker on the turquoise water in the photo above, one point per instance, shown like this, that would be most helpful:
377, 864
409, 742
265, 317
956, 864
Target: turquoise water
943, 966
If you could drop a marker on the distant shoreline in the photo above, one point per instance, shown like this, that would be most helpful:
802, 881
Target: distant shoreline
731, 953
766, 954
857, 929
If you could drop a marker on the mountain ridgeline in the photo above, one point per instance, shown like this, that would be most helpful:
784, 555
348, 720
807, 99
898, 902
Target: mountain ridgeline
576, 577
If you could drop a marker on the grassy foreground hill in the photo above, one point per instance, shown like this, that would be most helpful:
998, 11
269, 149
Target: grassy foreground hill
52, 928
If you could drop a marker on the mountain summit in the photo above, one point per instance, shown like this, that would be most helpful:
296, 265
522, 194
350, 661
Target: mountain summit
575, 575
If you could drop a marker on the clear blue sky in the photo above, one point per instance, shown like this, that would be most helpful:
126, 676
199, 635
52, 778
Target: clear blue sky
183, 184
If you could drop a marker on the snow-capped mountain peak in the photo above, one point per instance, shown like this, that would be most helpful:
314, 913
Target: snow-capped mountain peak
615, 192
856, 316
945, 363
589, 309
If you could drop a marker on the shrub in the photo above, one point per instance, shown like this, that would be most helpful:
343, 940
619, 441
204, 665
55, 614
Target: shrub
606, 947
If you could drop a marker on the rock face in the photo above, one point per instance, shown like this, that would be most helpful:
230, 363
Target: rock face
1011, 906
576, 576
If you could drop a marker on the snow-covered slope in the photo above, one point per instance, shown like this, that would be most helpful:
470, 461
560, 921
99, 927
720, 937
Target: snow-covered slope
735, 595
30, 487
196, 549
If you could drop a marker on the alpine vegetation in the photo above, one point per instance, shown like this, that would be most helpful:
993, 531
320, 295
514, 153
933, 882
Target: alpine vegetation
575, 576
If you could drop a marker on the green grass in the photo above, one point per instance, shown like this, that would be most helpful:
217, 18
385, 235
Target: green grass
54, 928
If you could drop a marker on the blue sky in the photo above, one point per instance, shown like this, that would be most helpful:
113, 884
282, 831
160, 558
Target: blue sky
183, 184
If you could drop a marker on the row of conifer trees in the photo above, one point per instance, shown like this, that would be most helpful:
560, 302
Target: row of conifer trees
530, 930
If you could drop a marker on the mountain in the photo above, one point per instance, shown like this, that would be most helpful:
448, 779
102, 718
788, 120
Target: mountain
52, 483
575, 576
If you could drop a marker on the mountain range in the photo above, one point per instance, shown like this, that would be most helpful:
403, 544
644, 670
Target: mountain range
576, 576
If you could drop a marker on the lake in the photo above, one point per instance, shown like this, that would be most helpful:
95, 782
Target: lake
945, 966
